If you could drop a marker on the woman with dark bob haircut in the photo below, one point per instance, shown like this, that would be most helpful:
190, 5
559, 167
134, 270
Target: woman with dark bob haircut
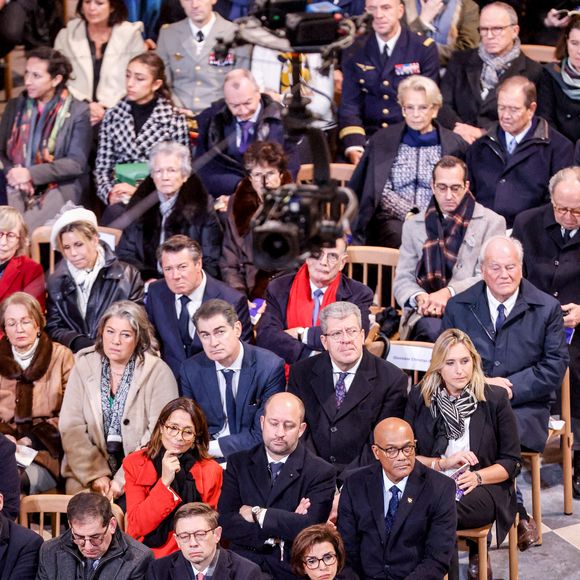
173, 469
45, 139
318, 552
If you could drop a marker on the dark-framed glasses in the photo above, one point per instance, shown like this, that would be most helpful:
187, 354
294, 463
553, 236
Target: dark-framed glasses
187, 434
312, 562
392, 452
95, 540
493, 30
199, 535
331, 257
10, 236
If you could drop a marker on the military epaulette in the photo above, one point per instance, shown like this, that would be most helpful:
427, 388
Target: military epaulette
365, 67
428, 42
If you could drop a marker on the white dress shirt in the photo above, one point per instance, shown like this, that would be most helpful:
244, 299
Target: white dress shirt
494, 303
387, 484
195, 301
205, 30
349, 378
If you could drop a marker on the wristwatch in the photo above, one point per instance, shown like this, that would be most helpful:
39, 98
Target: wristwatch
478, 477
256, 511
300, 332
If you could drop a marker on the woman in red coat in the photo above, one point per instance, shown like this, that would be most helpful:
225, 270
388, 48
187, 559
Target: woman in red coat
18, 273
174, 469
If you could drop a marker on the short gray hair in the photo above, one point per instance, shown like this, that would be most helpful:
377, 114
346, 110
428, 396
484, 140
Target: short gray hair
566, 174
420, 84
338, 311
172, 148
513, 15
238, 74
517, 245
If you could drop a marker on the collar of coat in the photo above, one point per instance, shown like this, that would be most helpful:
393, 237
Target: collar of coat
162, 114
38, 365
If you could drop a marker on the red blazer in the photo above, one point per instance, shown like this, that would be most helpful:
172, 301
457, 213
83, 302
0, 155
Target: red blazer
149, 501
25, 275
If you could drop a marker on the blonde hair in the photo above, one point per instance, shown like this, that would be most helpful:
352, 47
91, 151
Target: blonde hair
432, 381
11, 219
420, 84
85, 229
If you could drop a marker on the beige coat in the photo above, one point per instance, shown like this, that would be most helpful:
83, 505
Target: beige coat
81, 423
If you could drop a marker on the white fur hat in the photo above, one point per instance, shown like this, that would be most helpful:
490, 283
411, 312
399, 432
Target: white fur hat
78, 214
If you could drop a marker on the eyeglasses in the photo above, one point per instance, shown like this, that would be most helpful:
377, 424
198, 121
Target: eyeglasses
313, 563
10, 236
563, 210
95, 540
187, 434
264, 175
510, 110
199, 536
331, 257
443, 187
169, 171
392, 452
349, 333
493, 30
416, 108
24, 322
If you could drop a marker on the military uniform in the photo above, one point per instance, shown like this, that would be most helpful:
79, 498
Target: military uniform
196, 80
369, 90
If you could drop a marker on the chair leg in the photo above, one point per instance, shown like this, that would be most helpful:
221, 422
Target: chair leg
536, 495
513, 551
567, 469
482, 549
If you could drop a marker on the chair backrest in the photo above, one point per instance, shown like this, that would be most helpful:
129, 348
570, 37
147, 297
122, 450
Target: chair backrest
341, 172
41, 235
539, 52
380, 258
411, 356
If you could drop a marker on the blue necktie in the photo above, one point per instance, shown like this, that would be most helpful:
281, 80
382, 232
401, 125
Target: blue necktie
183, 323
230, 400
511, 144
340, 389
246, 127
500, 317
392, 510
275, 468
317, 295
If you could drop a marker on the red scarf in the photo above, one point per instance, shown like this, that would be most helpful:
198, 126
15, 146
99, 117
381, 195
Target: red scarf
300, 302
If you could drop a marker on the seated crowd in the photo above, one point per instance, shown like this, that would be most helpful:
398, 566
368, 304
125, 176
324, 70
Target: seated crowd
232, 412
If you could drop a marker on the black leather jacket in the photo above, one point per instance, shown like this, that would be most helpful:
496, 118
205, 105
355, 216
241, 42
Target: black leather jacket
64, 322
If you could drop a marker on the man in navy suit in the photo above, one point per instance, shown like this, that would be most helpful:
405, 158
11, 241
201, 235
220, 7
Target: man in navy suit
19, 549
346, 390
397, 517
198, 536
9, 479
231, 380
172, 302
273, 491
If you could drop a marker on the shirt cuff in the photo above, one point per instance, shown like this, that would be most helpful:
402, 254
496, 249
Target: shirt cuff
214, 448
354, 148
261, 517
451, 291
305, 336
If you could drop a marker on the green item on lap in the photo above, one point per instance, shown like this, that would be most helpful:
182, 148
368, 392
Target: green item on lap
131, 173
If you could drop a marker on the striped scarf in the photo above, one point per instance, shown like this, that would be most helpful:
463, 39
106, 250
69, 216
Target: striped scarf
453, 411
444, 239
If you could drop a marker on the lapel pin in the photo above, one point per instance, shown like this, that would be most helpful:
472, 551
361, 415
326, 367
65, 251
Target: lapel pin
409, 500
178, 56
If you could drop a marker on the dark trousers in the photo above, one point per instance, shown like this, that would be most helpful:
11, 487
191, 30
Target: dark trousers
12, 25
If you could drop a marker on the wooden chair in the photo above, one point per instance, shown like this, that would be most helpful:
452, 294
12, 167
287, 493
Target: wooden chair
379, 257
41, 235
566, 444
539, 52
412, 356
341, 172
8, 80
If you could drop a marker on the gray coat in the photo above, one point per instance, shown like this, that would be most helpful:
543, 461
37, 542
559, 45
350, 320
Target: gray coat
195, 83
467, 271
126, 559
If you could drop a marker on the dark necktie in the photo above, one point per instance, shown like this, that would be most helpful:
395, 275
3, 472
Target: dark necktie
385, 55
340, 389
89, 567
246, 128
230, 400
500, 317
184, 323
317, 295
392, 511
566, 236
199, 36
275, 467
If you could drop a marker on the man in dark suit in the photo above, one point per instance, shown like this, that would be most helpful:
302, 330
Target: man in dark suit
519, 333
346, 390
231, 380
19, 549
198, 536
397, 517
469, 87
172, 302
9, 479
549, 235
274, 490
290, 324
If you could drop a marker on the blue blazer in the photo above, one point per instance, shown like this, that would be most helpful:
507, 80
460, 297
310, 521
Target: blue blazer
270, 330
261, 376
422, 539
529, 350
19, 548
160, 306
10, 480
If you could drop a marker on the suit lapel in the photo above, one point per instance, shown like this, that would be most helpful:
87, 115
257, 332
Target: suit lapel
258, 470
209, 382
376, 497
360, 387
518, 310
413, 490
322, 385
170, 316
476, 429
288, 475
473, 74
181, 569
480, 310
245, 384
187, 41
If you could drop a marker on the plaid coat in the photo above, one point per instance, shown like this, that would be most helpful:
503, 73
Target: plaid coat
118, 142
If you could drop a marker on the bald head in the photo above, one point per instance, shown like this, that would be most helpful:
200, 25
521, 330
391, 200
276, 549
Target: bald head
291, 403
394, 448
282, 424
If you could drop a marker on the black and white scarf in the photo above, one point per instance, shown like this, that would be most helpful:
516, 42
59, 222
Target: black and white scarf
495, 66
453, 411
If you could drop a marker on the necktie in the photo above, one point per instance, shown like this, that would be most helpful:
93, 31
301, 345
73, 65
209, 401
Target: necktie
385, 55
340, 389
230, 400
566, 236
317, 295
200, 38
200, 576
500, 317
392, 510
183, 322
511, 144
89, 567
275, 467
246, 127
